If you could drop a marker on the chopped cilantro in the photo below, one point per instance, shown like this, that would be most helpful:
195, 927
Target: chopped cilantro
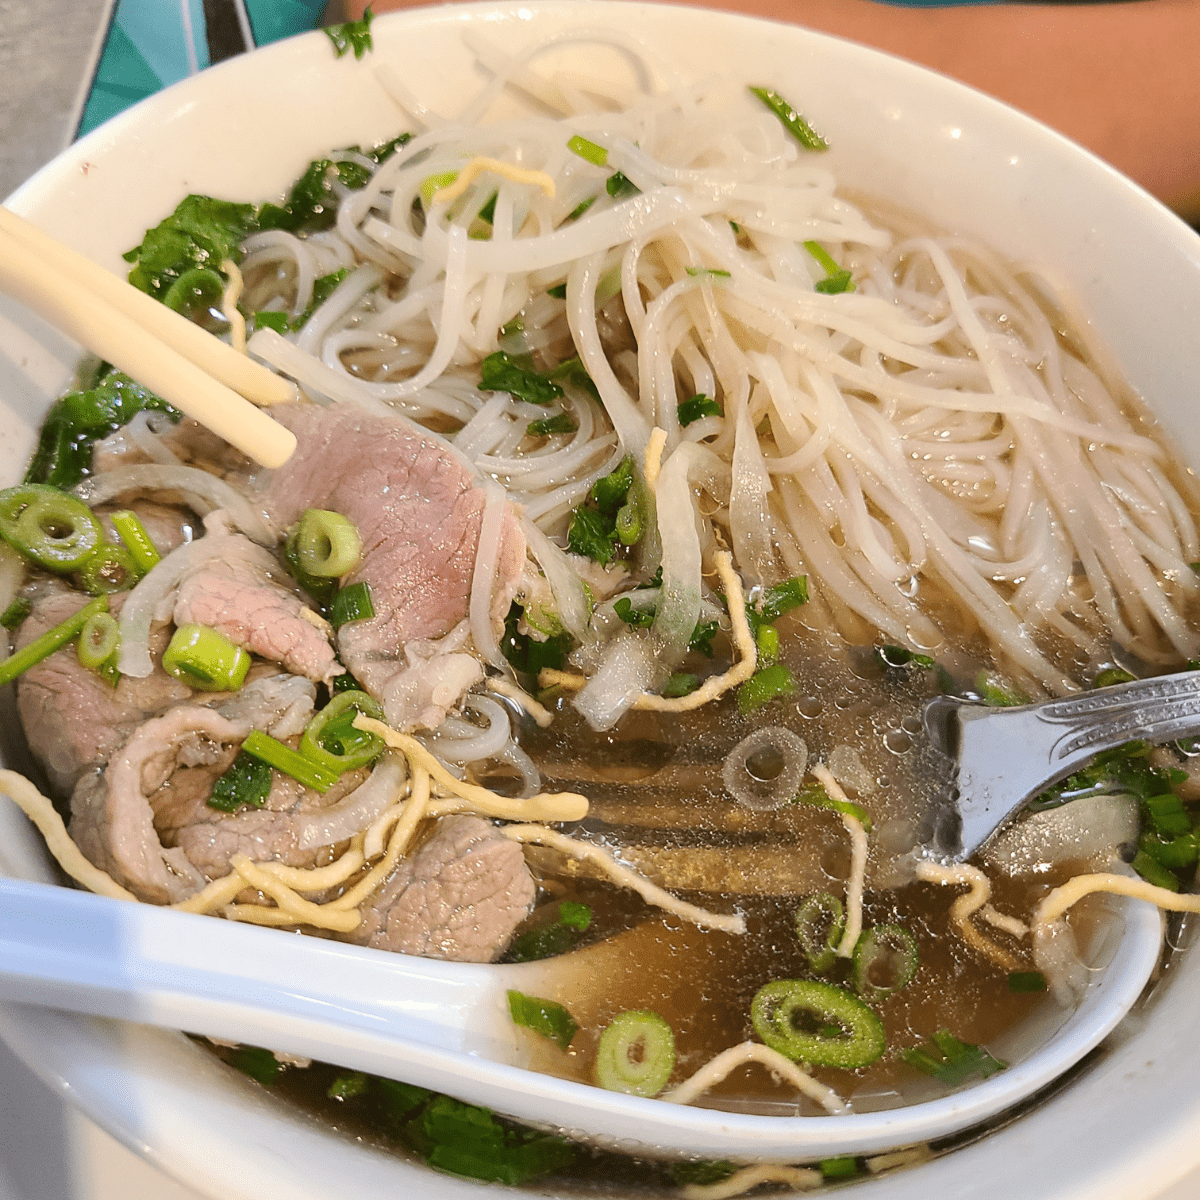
561, 422
202, 232
639, 618
1026, 981
504, 372
682, 683
347, 1086
702, 637
610, 491
527, 654
78, 420
558, 291
277, 321
572, 371
901, 656
323, 288
352, 35
592, 534
696, 407
996, 694
951, 1061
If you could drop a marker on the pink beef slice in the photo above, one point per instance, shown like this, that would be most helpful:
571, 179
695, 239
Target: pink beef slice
246, 595
460, 897
146, 821
73, 718
418, 510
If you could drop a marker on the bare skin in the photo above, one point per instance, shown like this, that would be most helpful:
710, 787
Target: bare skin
1120, 78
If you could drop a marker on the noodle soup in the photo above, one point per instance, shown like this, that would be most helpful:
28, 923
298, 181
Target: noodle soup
756, 388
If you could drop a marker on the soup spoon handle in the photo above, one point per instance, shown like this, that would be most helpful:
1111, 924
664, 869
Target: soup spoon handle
308, 996
1001, 758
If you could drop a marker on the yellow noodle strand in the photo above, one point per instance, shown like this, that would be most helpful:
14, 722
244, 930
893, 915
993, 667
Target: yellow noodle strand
964, 906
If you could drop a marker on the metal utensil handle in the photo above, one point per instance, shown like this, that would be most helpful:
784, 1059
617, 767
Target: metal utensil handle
1156, 710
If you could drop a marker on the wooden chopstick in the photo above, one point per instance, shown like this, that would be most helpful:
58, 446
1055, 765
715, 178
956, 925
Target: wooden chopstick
161, 349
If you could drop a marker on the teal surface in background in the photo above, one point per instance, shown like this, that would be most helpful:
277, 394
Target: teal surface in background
151, 43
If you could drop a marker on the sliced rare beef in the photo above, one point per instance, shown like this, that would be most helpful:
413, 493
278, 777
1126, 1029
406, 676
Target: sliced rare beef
73, 718
243, 593
460, 896
419, 511
145, 818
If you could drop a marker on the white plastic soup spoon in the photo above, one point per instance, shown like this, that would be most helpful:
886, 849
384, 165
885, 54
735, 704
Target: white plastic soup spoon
445, 1025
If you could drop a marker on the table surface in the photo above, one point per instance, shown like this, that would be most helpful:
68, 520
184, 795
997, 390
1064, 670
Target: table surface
48, 1151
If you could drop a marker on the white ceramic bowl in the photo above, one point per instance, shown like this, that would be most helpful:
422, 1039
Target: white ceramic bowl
1127, 1126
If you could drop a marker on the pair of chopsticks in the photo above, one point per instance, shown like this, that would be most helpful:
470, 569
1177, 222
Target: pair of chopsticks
164, 351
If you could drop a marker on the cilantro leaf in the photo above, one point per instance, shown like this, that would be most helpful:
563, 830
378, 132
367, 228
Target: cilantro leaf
323, 288
610, 492
79, 419
527, 654
202, 232
504, 372
561, 422
352, 35
696, 407
620, 188
639, 618
592, 534
247, 783
702, 637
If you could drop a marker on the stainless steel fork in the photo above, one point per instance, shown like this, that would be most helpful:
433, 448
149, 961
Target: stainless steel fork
995, 760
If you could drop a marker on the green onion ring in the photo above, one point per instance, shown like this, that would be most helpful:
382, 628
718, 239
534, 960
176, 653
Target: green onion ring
205, 659
99, 641
327, 544
636, 1054
331, 739
108, 568
821, 952
777, 1006
49, 527
889, 946
137, 540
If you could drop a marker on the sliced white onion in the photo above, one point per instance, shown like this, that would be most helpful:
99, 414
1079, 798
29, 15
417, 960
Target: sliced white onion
462, 742
151, 592
203, 491
1090, 829
629, 667
356, 811
681, 564
768, 784
563, 580
483, 578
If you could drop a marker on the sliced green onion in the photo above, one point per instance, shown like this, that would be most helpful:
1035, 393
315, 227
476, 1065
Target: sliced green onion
284, 758
837, 279
575, 915
246, 784
332, 741
432, 184
347, 1086
791, 120
707, 272
820, 912
547, 1018
42, 647
205, 659
137, 541
99, 641
888, 948
328, 544
782, 597
16, 612
108, 568
261, 1065
767, 644
636, 1054
764, 686
589, 151
1153, 873
818, 797
995, 694
1111, 675
321, 590
783, 1011
845, 1167
345, 683
1174, 853
629, 524
1026, 981
952, 1062
49, 527
352, 603
1167, 814
558, 291
575, 214
619, 187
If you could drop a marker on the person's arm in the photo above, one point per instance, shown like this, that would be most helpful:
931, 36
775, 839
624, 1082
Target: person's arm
1121, 78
